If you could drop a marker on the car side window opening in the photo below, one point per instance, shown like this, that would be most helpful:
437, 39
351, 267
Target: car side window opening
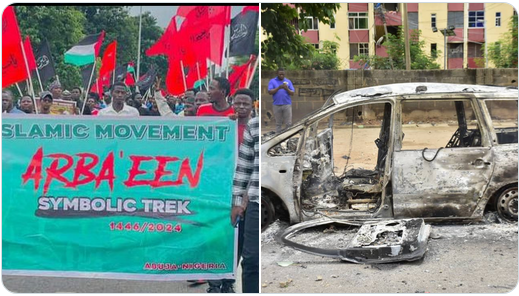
436, 124
504, 119
344, 159
287, 147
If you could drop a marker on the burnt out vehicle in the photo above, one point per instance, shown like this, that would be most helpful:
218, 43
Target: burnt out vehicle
414, 150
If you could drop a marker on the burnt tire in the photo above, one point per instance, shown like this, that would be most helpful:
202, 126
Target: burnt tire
506, 204
268, 213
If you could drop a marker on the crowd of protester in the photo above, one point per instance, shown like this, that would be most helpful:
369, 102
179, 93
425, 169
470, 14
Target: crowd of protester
153, 103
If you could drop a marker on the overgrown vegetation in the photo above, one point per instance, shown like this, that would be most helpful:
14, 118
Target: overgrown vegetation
396, 51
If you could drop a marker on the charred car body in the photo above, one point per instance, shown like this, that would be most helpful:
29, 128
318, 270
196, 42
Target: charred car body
475, 167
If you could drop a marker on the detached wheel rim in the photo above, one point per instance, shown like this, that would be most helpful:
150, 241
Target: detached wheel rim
507, 204
267, 213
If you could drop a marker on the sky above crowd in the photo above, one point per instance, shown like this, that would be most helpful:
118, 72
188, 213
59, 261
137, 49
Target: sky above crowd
163, 14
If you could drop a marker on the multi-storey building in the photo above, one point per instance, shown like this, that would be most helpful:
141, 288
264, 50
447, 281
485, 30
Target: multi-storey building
358, 27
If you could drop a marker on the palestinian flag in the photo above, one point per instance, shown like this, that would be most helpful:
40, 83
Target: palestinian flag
85, 51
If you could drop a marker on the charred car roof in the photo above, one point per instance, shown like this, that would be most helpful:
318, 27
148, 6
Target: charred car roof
416, 88
398, 89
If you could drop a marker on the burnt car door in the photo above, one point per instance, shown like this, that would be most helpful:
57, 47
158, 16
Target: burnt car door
443, 160
314, 165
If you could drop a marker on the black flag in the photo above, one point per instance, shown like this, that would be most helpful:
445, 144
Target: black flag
86, 72
120, 72
44, 62
147, 80
243, 33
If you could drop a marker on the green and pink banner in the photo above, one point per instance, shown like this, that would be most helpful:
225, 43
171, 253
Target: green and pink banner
140, 198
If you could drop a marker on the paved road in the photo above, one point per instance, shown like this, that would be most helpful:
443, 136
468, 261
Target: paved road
22, 284
478, 258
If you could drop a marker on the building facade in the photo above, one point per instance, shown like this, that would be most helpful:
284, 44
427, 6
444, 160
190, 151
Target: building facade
358, 27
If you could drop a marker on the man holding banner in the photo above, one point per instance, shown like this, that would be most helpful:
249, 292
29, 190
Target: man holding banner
247, 176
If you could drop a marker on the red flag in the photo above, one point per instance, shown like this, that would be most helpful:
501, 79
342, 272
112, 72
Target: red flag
100, 83
238, 77
10, 29
216, 14
217, 42
129, 79
97, 47
165, 43
109, 57
196, 72
31, 60
174, 78
13, 63
204, 26
198, 43
250, 8
248, 73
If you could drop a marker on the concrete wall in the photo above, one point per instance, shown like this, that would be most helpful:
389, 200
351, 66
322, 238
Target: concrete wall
312, 88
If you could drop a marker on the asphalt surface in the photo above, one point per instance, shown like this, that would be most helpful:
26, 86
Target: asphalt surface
476, 258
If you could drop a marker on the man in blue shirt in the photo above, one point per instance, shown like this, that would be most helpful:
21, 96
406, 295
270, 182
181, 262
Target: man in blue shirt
281, 89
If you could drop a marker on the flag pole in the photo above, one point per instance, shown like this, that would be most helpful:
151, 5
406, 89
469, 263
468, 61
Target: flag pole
39, 79
146, 95
253, 71
210, 71
29, 74
139, 49
88, 87
183, 75
228, 30
19, 89
198, 72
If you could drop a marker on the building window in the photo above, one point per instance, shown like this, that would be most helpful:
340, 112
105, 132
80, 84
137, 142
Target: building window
312, 23
412, 18
434, 50
433, 20
476, 19
357, 49
455, 18
498, 19
358, 20
474, 50
316, 45
455, 50
332, 24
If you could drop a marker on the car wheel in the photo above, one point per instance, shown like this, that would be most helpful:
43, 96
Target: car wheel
267, 212
506, 204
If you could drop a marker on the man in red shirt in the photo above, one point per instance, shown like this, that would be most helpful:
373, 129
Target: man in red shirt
219, 89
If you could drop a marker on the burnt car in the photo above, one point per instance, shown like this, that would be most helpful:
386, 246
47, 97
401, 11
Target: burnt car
415, 150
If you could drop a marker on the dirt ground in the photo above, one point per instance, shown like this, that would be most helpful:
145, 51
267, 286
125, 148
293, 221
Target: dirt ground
476, 258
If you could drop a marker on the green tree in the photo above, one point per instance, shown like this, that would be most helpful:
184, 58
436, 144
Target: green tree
396, 50
118, 25
503, 53
283, 45
150, 33
324, 58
